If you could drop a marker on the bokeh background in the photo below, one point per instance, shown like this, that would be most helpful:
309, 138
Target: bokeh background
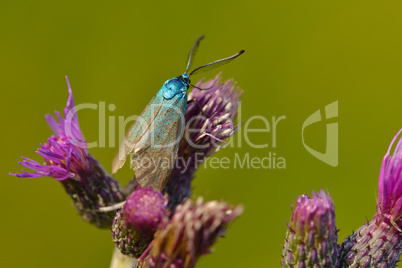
300, 56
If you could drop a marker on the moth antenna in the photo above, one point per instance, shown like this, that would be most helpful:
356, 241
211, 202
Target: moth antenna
215, 64
193, 52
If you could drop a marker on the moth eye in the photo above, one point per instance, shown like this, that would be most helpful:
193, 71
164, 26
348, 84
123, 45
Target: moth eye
174, 85
168, 94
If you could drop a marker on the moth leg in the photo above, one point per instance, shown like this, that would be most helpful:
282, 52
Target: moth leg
217, 139
213, 137
199, 106
111, 208
208, 88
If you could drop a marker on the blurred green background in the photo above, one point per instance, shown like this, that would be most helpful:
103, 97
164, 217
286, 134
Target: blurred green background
300, 56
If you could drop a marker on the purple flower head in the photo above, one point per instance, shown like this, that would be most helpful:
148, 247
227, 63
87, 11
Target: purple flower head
378, 243
190, 233
389, 203
209, 122
311, 239
66, 159
207, 129
65, 153
135, 224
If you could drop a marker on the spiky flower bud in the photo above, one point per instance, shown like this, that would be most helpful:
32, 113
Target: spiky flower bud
209, 121
311, 239
135, 224
190, 233
379, 242
67, 160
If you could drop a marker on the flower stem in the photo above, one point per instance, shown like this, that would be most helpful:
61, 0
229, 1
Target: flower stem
121, 261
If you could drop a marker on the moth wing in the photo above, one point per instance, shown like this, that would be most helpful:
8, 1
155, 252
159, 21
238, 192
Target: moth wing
136, 131
155, 154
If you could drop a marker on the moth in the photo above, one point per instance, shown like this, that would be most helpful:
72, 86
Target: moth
154, 137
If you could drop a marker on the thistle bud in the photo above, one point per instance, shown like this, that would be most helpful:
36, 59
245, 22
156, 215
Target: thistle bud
191, 232
311, 239
135, 224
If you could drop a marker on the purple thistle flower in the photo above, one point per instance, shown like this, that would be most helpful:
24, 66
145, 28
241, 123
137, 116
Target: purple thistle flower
311, 239
65, 153
67, 160
379, 242
135, 224
191, 232
205, 133
389, 203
